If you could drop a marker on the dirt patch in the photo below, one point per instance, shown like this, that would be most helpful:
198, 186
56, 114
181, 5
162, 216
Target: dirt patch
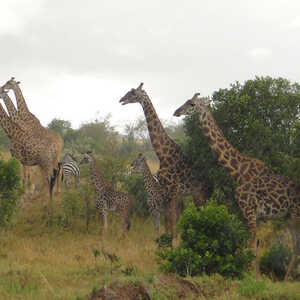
168, 286
122, 291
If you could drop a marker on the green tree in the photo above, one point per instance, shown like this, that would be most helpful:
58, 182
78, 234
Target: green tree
260, 118
60, 126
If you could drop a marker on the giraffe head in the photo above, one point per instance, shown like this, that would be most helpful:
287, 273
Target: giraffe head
87, 158
137, 165
10, 83
192, 106
133, 96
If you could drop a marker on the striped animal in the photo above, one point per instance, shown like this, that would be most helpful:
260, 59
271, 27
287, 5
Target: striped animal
69, 168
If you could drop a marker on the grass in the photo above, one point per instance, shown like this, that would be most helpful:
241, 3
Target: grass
53, 262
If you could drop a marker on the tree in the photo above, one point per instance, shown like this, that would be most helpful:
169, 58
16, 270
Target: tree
260, 118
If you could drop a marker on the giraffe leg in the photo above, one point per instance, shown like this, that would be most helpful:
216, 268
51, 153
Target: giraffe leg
253, 246
167, 216
156, 221
24, 176
173, 200
126, 223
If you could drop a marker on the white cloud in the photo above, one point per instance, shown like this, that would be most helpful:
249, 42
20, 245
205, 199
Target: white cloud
259, 53
294, 24
15, 14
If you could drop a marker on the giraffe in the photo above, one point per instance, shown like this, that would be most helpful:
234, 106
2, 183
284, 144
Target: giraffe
108, 199
260, 192
155, 199
175, 171
23, 114
15, 117
32, 144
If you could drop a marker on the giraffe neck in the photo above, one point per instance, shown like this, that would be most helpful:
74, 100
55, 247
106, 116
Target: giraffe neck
240, 166
10, 128
96, 176
10, 106
22, 106
147, 175
160, 140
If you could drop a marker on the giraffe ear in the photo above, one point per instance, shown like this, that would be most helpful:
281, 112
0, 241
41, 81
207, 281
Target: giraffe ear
140, 86
140, 154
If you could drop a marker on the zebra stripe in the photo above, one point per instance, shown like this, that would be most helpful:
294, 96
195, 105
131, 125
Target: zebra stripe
70, 169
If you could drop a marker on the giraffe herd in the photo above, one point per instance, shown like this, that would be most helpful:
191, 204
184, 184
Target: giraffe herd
260, 193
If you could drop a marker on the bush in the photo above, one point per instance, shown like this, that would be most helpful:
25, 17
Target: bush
212, 241
275, 261
134, 185
78, 203
10, 190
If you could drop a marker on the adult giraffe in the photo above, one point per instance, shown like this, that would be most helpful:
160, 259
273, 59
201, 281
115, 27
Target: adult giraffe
32, 144
175, 172
260, 193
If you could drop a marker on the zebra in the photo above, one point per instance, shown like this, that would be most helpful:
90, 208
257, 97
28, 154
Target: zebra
69, 168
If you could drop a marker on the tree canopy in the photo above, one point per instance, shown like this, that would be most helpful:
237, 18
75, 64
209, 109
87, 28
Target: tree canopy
260, 118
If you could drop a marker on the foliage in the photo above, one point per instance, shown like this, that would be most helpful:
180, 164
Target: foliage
260, 119
275, 260
134, 185
78, 203
212, 241
10, 190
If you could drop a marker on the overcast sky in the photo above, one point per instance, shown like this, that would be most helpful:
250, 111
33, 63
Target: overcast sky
76, 59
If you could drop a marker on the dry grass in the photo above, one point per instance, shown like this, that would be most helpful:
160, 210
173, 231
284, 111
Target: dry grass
42, 262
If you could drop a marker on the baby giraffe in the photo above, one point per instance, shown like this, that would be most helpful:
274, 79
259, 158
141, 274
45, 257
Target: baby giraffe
260, 192
155, 199
108, 199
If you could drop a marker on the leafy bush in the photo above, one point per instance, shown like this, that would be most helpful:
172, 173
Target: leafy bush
80, 203
134, 185
275, 260
10, 190
212, 241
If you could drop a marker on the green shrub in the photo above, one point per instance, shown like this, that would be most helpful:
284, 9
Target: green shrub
275, 260
78, 203
212, 241
134, 185
10, 190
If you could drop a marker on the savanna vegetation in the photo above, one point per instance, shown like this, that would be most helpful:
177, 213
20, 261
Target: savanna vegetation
64, 255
